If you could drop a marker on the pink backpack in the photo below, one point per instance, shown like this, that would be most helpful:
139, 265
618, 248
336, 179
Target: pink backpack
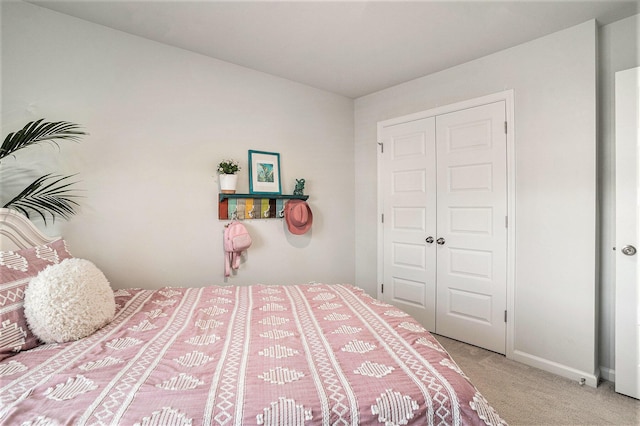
236, 240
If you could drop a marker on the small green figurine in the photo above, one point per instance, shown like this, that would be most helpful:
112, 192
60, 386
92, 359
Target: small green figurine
299, 187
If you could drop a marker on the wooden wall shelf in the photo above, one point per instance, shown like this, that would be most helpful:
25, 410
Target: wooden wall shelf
267, 196
254, 206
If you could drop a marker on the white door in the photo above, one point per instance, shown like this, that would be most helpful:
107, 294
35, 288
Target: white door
408, 181
444, 203
627, 322
472, 226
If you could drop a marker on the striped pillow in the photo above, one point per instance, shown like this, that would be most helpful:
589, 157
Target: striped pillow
17, 268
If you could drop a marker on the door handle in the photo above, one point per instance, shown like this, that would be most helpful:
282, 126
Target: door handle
629, 250
440, 241
429, 240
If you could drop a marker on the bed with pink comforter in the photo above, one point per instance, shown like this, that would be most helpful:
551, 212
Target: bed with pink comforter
258, 355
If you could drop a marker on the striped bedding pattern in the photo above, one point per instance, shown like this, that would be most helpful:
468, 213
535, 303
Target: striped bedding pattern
257, 355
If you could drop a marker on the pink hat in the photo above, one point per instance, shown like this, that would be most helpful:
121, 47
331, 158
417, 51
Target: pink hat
298, 216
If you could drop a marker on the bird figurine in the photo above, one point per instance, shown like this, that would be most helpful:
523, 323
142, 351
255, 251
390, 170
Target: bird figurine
299, 190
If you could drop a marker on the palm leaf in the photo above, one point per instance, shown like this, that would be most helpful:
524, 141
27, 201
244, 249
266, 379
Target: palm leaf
47, 194
38, 131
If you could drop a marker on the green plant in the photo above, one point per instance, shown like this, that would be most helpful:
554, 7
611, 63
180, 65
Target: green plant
50, 193
228, 167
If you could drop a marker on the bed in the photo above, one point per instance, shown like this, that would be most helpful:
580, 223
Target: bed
226, 355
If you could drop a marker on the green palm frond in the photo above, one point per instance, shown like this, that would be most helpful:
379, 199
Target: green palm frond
47, 194
38, 131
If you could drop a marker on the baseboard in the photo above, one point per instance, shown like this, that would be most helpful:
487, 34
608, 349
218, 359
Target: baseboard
608, 374
582, 377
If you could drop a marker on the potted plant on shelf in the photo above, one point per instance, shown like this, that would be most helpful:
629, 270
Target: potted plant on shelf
228, 177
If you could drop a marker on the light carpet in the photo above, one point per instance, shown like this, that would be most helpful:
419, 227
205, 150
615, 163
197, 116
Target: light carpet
524, 395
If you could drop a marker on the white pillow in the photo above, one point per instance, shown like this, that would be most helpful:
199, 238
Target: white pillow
68, 301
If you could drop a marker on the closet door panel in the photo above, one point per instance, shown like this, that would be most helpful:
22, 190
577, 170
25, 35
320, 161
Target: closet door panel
471, 214
409, 191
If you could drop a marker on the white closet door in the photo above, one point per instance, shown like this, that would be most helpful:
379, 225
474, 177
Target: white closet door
409, 199
471, 231
627, 323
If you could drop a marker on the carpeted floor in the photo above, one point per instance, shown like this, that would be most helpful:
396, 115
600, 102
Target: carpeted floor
524, 395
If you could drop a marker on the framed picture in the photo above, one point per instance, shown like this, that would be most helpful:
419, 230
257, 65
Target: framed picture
264, 172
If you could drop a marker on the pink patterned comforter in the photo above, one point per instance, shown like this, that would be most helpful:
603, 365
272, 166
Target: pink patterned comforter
265, 355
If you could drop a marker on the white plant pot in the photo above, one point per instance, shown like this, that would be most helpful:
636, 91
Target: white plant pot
228, 184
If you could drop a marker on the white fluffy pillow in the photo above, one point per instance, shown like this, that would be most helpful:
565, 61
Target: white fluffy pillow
68, 301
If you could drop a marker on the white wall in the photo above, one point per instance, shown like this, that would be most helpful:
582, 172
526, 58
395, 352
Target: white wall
554, 83
160, 119
619, 49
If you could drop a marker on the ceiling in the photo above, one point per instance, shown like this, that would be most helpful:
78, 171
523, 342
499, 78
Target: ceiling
352, 48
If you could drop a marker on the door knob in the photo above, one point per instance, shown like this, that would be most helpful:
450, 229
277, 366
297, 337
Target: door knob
429, 240
440, 241
629, 250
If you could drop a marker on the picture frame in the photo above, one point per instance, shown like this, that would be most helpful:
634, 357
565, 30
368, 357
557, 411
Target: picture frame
264, 172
